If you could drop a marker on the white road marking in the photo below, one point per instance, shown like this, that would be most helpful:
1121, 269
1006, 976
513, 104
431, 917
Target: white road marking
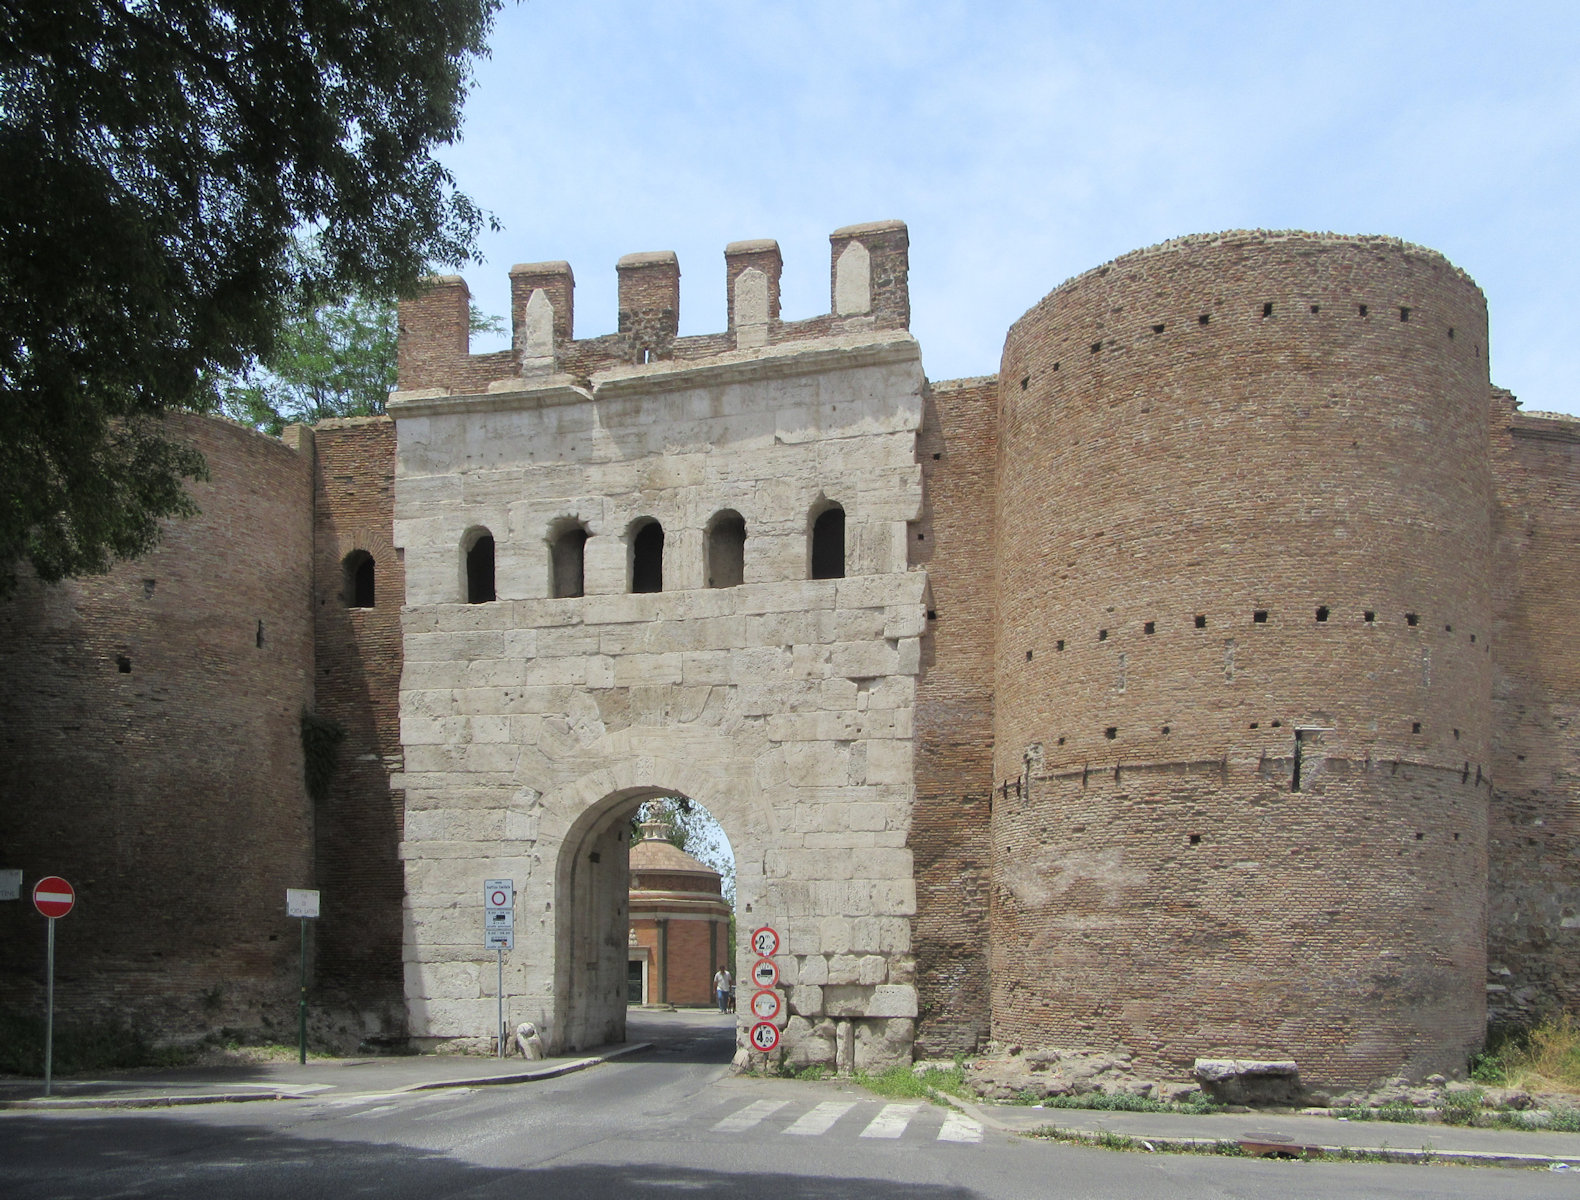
960, 1128
751, 1115
891, 1121
821, 1119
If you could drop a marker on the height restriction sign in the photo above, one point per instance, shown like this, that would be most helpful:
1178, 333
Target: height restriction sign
764, 1036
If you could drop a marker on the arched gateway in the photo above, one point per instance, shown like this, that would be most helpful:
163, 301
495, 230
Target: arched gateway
533, 724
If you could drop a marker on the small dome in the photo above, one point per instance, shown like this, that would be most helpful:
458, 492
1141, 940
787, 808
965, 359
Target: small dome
655, 854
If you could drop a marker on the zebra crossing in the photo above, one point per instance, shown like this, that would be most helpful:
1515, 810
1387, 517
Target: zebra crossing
889, 1121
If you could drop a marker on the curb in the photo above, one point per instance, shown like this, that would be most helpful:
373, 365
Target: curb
48, 1103
553, 1071
1259, 1149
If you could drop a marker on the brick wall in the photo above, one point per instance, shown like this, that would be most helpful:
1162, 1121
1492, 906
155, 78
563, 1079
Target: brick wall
149, 727
1217, 457
1534, 918
957, 448
357, 665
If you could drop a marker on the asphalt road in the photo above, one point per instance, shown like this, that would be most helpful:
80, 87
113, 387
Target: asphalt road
669, 1123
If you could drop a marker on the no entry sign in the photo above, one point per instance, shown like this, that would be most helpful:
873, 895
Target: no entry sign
764, 1036
53, 896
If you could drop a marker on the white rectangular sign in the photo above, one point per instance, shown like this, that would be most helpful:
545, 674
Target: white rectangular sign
300, 902
500, 939
499, 893
10, 885
499, 918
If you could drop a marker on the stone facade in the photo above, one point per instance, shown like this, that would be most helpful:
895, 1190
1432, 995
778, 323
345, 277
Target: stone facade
1197, 687
534, 725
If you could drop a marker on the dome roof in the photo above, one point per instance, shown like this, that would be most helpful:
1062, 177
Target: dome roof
654, 853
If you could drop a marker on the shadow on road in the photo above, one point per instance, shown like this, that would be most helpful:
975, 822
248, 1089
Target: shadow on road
685, 1036
51, 1157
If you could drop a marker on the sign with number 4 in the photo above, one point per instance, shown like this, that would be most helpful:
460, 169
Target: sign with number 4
764, 1036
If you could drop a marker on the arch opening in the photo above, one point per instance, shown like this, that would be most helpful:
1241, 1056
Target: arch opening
827, 549
479, 544
647, 556
567, 558
645, 913
726, 549
357, 571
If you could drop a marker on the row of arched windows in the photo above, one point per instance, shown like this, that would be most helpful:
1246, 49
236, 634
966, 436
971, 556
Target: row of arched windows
724, 547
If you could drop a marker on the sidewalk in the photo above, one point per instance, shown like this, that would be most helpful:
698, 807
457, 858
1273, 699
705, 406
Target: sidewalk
294, 1081
1292, 1134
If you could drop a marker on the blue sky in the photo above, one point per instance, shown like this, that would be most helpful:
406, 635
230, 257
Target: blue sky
1024, 143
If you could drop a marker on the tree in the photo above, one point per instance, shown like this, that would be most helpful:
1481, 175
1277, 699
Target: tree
331, 358
690, 827
159, 157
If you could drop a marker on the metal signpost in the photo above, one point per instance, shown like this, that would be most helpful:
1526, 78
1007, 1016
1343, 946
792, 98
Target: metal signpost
54, 898
499, 935
303, 903
765, 1004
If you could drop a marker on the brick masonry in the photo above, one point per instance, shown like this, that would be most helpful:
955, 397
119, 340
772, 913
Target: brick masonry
357, 665
149, 731
1534, 841
1244, 509
957, 447
1235, 506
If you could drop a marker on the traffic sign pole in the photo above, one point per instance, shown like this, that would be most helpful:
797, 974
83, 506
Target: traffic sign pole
49, 1008
500, 989
301, 1008
53, 897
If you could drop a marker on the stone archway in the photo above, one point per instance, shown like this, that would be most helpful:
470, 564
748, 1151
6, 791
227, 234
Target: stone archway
590, 885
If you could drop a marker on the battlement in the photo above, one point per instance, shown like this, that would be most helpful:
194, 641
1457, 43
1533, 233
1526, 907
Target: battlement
868, 290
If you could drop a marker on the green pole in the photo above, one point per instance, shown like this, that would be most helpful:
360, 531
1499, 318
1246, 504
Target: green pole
301, 1010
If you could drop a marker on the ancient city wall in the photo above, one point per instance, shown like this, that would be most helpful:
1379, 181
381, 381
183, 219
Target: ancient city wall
533, 724
1243, 677
957, 448
1533, 942
357, 665
149, 727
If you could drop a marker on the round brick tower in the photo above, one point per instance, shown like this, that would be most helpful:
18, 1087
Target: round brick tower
1243, 675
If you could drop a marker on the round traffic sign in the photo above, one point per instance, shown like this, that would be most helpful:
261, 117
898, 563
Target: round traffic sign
498, 898
765, 941
765, 1005
764, 973
53, 896
764, 1036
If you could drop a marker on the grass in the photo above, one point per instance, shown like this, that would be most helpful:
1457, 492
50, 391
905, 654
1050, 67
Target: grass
1543, 1058
901, 1082
1121, 1102
99, 1046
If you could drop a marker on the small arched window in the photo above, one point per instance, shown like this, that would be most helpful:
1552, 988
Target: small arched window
828, 543
357, 569
647, 557
726, 549
480, 568
567, 546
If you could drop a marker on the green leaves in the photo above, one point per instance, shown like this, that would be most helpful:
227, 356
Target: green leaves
160, 158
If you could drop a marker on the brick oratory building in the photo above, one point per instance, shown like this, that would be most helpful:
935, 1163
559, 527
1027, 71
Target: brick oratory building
1198, 686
